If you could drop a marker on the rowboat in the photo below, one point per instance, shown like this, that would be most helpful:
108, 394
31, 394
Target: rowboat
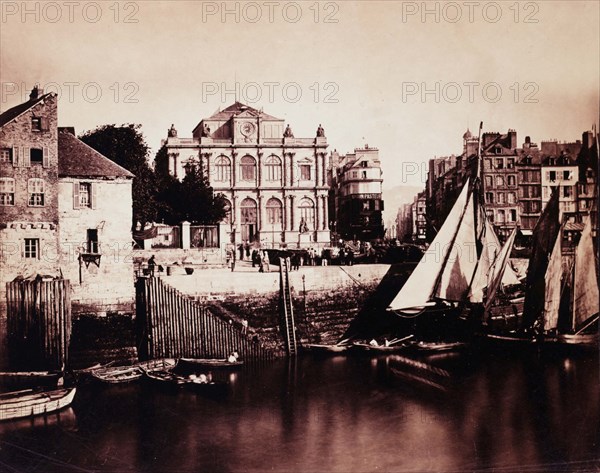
29, 378
19, 404
117, 374
320, 348
194, 364
438, 346
165, 378
205, 385
160, 363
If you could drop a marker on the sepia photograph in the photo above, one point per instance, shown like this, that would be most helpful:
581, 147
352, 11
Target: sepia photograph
299, 236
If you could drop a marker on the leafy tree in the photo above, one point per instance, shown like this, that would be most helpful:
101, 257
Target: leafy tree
126, 146
191, 199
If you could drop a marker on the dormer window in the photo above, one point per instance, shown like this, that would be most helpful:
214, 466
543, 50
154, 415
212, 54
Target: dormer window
498, 150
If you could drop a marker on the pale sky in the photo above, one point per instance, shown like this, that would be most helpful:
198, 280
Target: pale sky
361, 68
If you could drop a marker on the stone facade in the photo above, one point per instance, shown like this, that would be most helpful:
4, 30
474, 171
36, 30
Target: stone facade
29, 190
66, 210
275, 184
101, 272
355, 201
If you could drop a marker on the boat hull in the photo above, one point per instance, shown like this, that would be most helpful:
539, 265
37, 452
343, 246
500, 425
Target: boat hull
29, 404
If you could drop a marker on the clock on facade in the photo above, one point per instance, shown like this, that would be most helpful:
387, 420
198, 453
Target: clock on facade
247, 128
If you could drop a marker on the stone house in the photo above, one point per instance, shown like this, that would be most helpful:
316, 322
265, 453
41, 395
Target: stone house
65, 210
29, 190
94, 212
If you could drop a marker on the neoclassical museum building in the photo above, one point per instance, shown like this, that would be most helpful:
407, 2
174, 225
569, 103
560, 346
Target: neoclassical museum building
276, 184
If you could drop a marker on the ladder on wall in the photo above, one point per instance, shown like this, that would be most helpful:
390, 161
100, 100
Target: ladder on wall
287, 311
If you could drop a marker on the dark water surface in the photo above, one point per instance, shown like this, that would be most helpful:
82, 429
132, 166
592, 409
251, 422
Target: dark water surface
532, 412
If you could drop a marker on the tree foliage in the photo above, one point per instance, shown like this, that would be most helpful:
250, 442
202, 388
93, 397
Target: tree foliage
126, 146
191, 199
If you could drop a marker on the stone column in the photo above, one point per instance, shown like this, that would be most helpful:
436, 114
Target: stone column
174, 157
259, 168
317, 171
324, 161
325, 213
260, 214
185, 235
317, 213
293, 218
233, 169
292, 171
236, 214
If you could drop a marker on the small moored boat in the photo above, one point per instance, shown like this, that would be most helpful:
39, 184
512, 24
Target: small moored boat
19, 404
117, 374
320, 348
195, 364
29, 378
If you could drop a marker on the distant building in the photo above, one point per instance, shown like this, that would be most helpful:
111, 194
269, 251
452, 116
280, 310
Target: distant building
560, 169
275, 184
517, 182
356, 194
500, 180
404, 223
530, 186
65, 210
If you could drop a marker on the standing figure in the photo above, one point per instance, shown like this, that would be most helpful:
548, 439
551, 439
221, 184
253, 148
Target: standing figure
247, 249
151, 265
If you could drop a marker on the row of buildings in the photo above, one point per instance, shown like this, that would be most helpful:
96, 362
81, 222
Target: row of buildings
66, 210
281, 190
517, 183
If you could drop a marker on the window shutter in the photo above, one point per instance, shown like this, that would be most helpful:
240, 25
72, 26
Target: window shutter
26, 157
16, 155
44, 124
45, 157
93, 189
76, 195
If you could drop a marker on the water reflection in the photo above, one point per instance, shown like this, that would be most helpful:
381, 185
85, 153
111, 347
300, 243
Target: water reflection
337, 414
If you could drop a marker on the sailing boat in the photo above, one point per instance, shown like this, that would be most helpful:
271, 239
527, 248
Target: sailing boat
575, 321
449, 284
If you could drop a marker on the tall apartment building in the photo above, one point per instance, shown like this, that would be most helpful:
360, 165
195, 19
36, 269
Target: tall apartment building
356, 182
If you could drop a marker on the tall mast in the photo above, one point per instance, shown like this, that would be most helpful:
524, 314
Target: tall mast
479, 163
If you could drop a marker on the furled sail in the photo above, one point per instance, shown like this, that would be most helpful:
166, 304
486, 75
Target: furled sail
497, 270
422, 283
585, 293
490, 247
553, 287
544, 237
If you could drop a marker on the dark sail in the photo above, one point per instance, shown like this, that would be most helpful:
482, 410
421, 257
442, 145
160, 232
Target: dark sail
544, 236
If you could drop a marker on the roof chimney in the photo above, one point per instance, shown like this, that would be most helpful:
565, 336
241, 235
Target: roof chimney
36, 92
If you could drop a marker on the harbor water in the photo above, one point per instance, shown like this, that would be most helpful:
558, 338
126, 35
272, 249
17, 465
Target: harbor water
532, 411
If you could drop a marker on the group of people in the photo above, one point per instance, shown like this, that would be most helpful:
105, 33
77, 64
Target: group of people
260, 258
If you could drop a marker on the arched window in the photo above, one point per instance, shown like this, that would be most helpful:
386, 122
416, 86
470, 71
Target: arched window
273, 169
248, 211
222, 169
307, 214
227, 207
274, 211
248, 165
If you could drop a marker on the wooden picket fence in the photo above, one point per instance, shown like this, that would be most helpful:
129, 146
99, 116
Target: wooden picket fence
171, 326
38, 323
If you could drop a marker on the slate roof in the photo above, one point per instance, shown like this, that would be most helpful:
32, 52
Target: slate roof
77, 159
14, 112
